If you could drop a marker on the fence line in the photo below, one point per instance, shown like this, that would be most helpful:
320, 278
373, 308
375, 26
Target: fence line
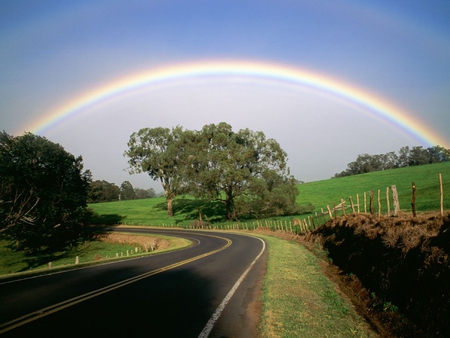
311, 222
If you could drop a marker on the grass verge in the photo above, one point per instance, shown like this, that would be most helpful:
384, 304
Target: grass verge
299, 301
15, 263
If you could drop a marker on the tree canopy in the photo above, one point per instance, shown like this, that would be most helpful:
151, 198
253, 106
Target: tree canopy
156, 151
238, 166
43, 192
103, 191
243, 169
127, 191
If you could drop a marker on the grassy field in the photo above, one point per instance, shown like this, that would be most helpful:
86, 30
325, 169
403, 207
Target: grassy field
299, 301
426, 178
319, 193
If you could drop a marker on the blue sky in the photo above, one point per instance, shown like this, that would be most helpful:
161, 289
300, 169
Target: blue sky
53, 51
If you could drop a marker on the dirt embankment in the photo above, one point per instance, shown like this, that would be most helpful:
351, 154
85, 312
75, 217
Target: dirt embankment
395, 269
147, 243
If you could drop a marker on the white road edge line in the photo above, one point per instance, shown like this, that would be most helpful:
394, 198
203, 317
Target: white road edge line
212, 321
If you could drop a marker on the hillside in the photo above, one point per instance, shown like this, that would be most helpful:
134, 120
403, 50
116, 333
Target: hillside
426, 178
320, 193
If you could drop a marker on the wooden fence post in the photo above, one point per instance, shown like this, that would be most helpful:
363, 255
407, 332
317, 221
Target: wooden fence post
395, 197
413, 199
357, 202
365, 203
387, 202
371, 203
379, 203
305, 224
329, 212
442, 194
351, 204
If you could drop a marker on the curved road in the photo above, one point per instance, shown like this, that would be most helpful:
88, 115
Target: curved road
204, 290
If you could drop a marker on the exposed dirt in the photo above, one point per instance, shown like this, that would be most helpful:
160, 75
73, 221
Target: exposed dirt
147, 243
395, 270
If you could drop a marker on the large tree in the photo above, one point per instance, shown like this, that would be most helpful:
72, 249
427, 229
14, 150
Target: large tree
157, 152
230, 166
271, 195
43, 192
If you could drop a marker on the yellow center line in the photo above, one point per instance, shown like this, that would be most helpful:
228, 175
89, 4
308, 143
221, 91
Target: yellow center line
73, 301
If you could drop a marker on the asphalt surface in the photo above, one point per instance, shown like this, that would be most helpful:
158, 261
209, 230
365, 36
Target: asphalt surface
184, 293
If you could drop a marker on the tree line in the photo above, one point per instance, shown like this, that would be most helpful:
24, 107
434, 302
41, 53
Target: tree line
405, 157
104, 191
241, 169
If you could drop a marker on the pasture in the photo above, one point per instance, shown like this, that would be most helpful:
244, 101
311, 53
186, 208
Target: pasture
319, 193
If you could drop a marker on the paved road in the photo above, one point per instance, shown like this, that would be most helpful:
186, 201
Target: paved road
178, 294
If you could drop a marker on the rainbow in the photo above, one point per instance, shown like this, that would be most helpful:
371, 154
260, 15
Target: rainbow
258, 70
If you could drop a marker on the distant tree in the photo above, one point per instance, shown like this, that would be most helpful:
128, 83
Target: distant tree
157, 152
239, 166
389, 160
418, 156
364, 163
127, 191
403, 158
406, 157
151, 193
438, 154
140, 193
43, 193
103, 191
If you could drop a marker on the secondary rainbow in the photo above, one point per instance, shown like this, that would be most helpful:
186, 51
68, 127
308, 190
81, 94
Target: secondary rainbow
258, 70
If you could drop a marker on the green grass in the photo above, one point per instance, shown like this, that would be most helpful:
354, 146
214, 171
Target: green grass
153, 211
14, 262
299, 301
426, 177
320, 194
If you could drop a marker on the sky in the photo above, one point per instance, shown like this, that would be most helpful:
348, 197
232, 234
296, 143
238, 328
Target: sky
328, 80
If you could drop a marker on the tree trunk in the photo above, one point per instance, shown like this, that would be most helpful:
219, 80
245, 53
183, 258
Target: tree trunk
170, 196
169, 206
229, 206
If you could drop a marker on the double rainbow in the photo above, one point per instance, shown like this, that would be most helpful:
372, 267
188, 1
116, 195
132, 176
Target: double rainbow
257, 70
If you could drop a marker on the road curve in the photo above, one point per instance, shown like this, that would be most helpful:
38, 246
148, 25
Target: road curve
201, 291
